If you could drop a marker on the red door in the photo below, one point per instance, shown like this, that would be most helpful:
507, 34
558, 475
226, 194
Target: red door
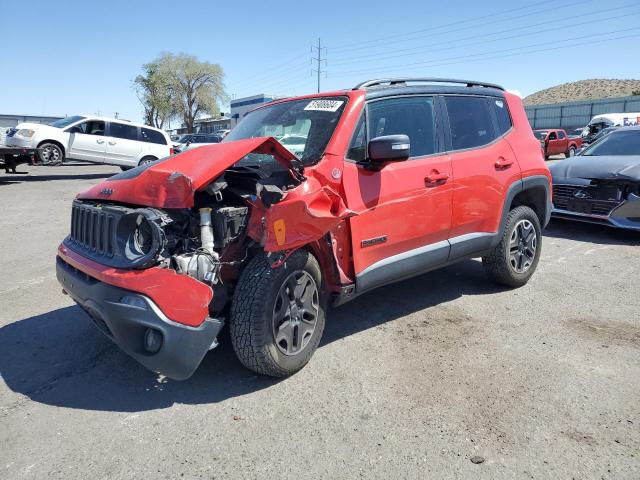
483, 164
402, 207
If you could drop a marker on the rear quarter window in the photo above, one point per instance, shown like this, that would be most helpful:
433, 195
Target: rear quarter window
152, 136
503, 117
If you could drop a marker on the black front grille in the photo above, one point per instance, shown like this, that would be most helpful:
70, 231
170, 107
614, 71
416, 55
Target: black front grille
588, 199
12, 132
93, 228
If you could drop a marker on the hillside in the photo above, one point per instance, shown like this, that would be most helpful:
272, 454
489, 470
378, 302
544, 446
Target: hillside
583, 90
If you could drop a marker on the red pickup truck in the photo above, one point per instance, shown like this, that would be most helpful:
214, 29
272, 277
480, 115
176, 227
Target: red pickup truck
556, 141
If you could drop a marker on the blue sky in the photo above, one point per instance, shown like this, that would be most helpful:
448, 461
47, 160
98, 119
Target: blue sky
72, 57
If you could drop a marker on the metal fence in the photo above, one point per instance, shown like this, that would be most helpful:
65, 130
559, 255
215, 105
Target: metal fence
571, 115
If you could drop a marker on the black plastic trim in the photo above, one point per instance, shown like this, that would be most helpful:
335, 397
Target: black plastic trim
183, 347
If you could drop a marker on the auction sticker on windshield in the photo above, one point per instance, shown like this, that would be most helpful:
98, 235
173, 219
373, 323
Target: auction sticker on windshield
324, 105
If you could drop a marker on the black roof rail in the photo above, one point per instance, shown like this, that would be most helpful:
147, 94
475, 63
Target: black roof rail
403, 81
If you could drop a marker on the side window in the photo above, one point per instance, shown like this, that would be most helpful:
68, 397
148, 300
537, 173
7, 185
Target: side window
560, 135
502, 114
552, 136
357, 149
470, 122
412, 116
92, 127
152, 136
120, 130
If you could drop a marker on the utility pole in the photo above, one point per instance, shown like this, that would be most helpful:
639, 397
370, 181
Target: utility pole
318, 70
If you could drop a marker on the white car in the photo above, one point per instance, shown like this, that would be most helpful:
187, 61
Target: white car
93, 139
294, 143
195, 140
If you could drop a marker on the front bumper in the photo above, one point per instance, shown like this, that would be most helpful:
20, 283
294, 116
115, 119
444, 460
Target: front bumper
625, 216
138, 326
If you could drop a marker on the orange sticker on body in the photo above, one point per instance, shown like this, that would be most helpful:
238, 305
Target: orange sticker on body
279, 230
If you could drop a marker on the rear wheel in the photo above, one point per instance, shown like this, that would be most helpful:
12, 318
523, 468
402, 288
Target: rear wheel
277, 314
571, 152
50, 154
515, 258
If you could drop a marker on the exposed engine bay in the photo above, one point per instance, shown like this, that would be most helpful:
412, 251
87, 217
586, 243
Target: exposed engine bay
207, 242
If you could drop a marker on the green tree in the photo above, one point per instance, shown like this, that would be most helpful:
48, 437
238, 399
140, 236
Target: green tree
153, 91
195, 87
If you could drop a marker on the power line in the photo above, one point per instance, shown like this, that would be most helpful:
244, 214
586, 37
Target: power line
431, 29
473, 57
318, 70
491, 15
421, 49
271, 71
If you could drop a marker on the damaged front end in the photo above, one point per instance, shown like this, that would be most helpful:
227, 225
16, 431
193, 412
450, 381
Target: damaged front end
603, 190
163, 246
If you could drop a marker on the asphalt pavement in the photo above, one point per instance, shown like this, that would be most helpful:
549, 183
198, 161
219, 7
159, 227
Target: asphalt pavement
442, 376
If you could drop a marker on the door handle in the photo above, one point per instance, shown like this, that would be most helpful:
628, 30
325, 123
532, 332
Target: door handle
436, 177
112, 143
503, 163
100, 141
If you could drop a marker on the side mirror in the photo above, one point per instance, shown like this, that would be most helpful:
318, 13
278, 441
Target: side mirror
389, 148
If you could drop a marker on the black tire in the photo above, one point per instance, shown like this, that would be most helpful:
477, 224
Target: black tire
499, 263
124, 169
252, 316
146, 160
570, 153
546, 157
50, 154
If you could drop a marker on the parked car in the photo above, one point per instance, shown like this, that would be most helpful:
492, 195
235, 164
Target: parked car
195, 140
556, 141
605, 120
602, 184
397, 177
93, 139
602, 133
294, 143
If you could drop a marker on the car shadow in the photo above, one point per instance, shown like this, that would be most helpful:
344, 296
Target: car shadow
59, 358
591, 233
22, 177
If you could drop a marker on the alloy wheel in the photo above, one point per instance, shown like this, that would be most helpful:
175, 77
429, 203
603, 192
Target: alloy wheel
522, 246
295, 313
50, 154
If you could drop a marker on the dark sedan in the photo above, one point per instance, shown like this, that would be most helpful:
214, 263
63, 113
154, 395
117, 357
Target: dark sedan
602, 183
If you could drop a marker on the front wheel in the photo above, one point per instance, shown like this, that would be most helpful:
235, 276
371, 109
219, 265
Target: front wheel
50, 154
571, 152
278, 314
515, 258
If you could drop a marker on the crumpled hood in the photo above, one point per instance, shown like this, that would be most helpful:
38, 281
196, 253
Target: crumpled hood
618, 167
171, 183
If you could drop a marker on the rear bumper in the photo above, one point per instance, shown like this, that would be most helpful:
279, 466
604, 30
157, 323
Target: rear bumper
138, 326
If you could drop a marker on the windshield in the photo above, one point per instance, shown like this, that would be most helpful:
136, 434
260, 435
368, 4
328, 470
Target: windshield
65, 122
616, 143
540, 134
183, 138
312, 121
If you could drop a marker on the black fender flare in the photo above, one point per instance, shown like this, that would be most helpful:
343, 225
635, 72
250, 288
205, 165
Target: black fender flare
519, 186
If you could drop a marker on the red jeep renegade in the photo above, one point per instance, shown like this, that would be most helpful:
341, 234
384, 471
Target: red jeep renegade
390, 179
